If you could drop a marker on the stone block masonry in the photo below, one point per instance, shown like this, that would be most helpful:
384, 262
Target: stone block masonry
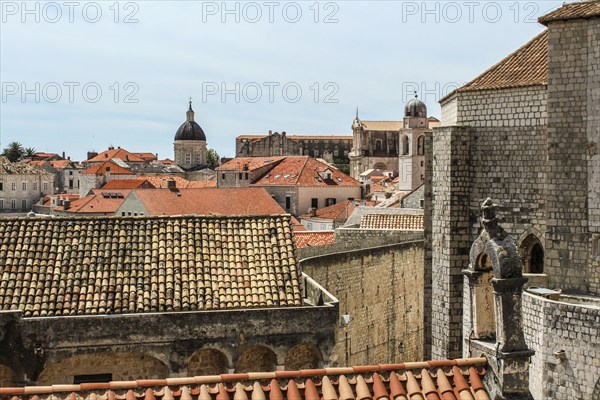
381, 290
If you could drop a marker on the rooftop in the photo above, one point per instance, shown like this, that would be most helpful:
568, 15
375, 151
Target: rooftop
298, 137
113, 265
107, 166
585, 9
340, 211
99, 201
434, 380
120, 154
128, 184
314, 238
18, 168
527, 66
180, 183
382, 125
208, 201
404, 222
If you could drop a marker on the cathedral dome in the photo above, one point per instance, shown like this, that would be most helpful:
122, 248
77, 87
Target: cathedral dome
190, 130
415, 108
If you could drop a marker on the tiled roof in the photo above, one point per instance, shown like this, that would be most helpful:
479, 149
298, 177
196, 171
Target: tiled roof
82, 266
405, 222
584, 9
118, 153
304, 171
100, 169
41, 154
159, 181
97, 202
527, 66
340, 211
128, 184
434, 380
146, 156
251, 163
382, 125
18, 168
314, 238
209, 201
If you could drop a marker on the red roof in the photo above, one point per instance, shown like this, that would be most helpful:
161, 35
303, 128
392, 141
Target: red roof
314, 238
100, 201
340, 211
128, 184
119, 153
209, 201
180, 183
100, 169
304, 171
250, 163
431, 380
145, 156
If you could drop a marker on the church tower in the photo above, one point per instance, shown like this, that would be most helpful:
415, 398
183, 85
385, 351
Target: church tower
190, 143
411, 166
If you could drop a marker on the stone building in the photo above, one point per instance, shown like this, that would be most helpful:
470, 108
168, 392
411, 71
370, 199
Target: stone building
297, 183
100, 174
98, 299
66, 174
392, 145
334, 149
22, 185
525, 133
190, 144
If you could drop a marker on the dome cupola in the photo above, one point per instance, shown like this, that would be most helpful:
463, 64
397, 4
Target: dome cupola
415, 108
190, 130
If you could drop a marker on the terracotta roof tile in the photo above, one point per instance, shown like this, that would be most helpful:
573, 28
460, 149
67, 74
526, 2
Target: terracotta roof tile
160, 181
249, 163
340, 211
405, 222
432, 381
584, 9
304, 171
99, 201
127, 184
527, 66
120, 154
382, 125
209, 201
39, 257
101, 169
313, 238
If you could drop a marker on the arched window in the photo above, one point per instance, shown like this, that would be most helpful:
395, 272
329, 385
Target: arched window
378, 144
532, 255
405, 145
421, 145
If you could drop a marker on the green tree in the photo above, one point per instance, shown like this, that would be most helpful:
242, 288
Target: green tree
14, 151
212, 157
29, 152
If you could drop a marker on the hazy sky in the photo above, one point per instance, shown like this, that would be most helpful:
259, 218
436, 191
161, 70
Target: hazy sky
244, 64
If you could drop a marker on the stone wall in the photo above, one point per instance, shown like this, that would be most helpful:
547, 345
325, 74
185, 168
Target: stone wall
571, 325
381, 290
167, 344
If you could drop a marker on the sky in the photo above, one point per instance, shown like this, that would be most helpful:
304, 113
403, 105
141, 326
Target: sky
79, 76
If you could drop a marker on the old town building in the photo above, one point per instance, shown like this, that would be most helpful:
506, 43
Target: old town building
525, 133
22, 185
190, 143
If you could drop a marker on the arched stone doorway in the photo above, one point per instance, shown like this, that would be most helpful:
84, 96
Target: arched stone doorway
256, 359
116, 366
303, 356
531, 253
208, 362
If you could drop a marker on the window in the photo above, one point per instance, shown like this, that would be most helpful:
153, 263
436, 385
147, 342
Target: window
188, 158
23, 204
305, 152
314, 203
421, 203
351, 198
240, 176
329, 202
13, 204
1, 204
24, 185
246, 176
316, 153
13, 186
336, 153
122, 213
378, 144
35, 187
70, 183
1, 185
288, 202
405, 145
45, 186
345, 153
222, 176
421, 145
70, 172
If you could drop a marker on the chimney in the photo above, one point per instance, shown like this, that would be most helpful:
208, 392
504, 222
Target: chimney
245, 167
63, 155
270, 132
91, 154
171, 184
283, 133
66, 204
